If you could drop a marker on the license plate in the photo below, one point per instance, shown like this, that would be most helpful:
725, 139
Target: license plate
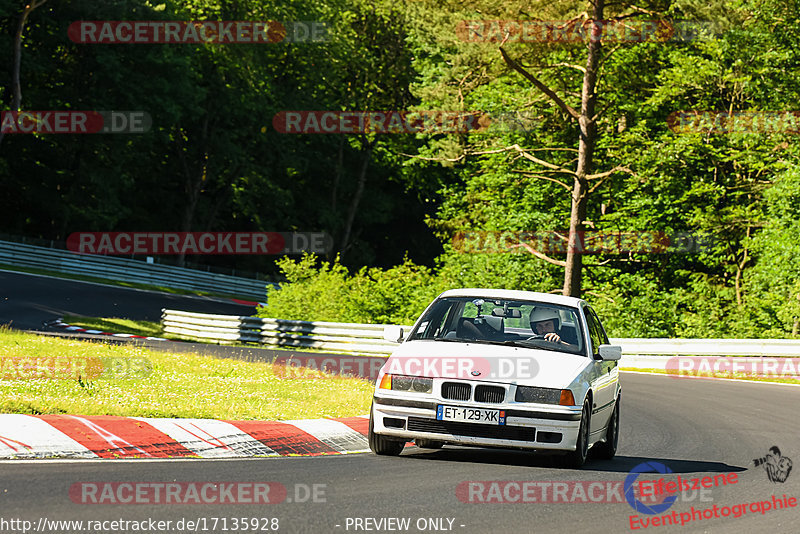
471, 415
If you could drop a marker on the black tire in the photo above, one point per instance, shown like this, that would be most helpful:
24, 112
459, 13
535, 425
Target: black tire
428, 443
382, 445
575, 459
608, 449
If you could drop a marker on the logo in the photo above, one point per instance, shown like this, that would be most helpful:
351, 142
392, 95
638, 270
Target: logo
744, 122
219, 243
583, 242
732, 367
475, 372
630, 483
74, 122
777, 467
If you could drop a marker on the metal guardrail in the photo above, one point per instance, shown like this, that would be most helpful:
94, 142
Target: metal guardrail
129, 270
356, 338
709, 347
351, 338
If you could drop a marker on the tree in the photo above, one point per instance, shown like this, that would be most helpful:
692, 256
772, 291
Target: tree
16, 86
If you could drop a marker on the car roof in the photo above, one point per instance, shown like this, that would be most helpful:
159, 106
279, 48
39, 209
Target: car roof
513, 294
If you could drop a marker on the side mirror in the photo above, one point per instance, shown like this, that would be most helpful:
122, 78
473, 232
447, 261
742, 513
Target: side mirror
610, 352
393, 333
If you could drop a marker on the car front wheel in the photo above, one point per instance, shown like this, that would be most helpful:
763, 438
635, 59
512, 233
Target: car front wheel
382, 445
575, 459
608, 448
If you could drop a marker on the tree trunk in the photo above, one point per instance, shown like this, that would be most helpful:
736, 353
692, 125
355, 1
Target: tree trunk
16, 86
337, 178
739, 272
351, 214
586, 148
194, 179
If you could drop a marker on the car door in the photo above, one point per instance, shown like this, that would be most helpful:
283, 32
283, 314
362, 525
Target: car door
605, 373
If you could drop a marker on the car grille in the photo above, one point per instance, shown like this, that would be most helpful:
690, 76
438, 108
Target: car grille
456, 391
493, 394
455, 428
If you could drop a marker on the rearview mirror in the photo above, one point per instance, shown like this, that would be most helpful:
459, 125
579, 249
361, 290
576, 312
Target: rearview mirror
393, 333
610, 352
509, 314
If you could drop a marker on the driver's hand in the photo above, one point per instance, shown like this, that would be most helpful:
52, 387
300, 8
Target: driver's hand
552, 336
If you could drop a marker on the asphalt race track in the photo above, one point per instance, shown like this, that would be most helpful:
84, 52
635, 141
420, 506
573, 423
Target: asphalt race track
695, 427
26, 301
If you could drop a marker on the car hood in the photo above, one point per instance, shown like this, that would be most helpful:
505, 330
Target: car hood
494, 363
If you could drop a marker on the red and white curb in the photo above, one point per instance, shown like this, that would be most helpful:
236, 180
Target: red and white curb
58, 323
252, 303
102, 436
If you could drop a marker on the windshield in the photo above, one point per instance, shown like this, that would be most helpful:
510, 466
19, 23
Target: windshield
507, 322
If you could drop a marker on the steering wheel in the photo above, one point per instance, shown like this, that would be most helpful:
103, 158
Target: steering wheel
536, 336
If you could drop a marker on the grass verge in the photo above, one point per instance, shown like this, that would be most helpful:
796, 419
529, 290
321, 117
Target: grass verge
722, 374
117, 325
179, 385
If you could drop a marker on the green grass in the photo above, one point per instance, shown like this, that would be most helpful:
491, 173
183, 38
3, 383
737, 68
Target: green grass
180, 385
116, 324
120, 283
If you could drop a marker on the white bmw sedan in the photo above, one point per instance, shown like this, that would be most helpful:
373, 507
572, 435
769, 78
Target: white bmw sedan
500, 368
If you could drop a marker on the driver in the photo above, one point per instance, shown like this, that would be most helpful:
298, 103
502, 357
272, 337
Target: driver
546, 322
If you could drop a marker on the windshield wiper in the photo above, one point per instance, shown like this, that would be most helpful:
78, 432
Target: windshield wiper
448, 339
528, 343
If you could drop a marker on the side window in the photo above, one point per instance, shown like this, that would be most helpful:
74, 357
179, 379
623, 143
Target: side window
599, 325
470, 311
436, 321
596, 334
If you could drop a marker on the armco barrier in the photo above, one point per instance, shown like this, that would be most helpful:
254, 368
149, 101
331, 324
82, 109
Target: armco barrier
351, 338
127, 270
356, 338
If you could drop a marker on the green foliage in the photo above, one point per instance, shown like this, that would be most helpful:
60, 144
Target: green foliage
329, 293
213, 161
772, 287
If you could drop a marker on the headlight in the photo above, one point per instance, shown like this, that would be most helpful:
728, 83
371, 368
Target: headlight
422, 385
544, 395
417, 384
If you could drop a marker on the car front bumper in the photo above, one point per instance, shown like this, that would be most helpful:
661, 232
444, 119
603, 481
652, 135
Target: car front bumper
526, 426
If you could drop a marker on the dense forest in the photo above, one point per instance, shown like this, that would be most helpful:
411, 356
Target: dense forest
580, 122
